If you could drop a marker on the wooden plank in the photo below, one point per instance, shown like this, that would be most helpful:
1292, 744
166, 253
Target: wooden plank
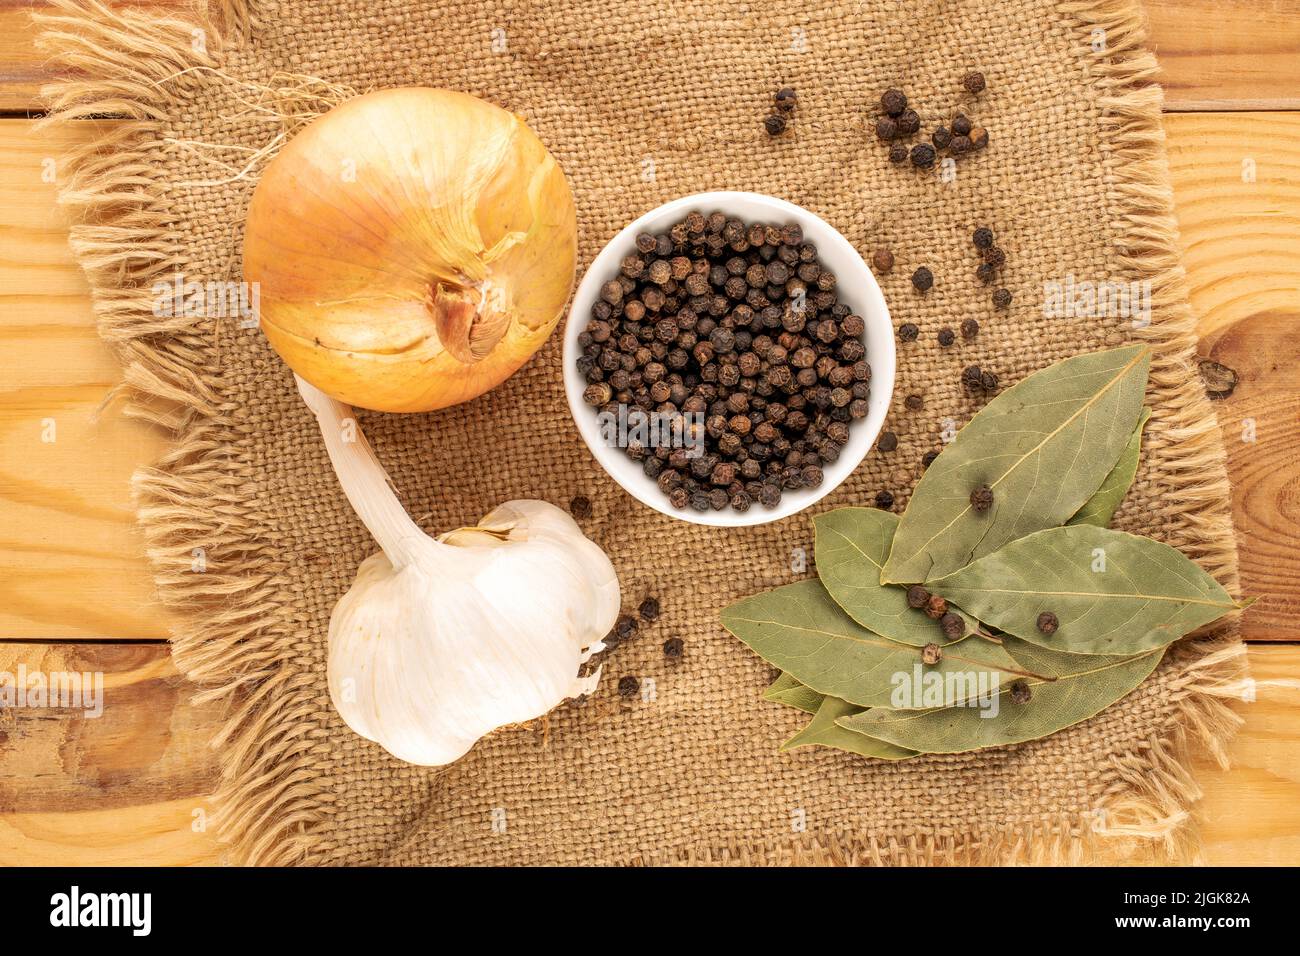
121, 778
1237, 191
1214, 54
127, 787
1227, 54
71, 559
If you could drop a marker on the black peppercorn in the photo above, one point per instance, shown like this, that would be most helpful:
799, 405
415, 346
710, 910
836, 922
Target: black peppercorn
960, 144
580, 507
979, 137
882, 260
1001, 298
884, 500
922, 279
629, 686
785, 99
985, 273
917, 596
928, 458
898, 153
936, 607
969, 328
981, 499
626, 627
908, 122
1048, 623
988, 381
953, 627
922, 155
893, 102
970, 377
674, 647
973, 82
941, 137
1020, 692
961, 125
932, 653
907, 332
649, 610
888, 441
774, 124
995, 256
886, 128
947, 337
982, 237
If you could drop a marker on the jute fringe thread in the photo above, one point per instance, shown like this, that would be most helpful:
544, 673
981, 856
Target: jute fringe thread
271, 806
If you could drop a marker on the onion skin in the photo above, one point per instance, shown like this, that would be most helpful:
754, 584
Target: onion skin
414, 247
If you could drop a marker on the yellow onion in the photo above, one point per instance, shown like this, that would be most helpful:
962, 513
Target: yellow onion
413, 248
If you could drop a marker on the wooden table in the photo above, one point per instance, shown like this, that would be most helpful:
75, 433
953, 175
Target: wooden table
75, 592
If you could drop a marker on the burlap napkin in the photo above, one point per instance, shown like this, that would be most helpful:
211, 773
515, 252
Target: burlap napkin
640, 102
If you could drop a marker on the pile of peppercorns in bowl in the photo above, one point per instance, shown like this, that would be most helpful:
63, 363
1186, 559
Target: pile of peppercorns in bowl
729, 358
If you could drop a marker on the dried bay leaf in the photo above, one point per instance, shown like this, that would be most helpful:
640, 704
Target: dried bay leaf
823, 731
1054, 706
850, 549
1101, 507
786, 690
1113, 593
1043, 446
801, 630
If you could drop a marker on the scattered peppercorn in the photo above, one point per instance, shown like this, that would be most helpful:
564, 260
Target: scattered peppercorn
580, 507
1001, 298
981, 499
886, 128
673, 647
898, 153
928, 459
995, 256
629, 686
625, 628
649, 610
922, 279
908, 123
923, 155
1020, 692
893, 102
932, 653
982, 237
917, 596
774, 124
882, 260
907, 332
1048, 623
884, 500
979, 137
970, 377
888, 441
936, 607
988, 381
969, 328
973, 82
954, 628
785, 99
947, 337
914, 403
941, 137
961, 125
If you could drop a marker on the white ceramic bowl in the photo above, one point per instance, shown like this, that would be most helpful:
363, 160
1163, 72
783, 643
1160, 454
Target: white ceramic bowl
856, 288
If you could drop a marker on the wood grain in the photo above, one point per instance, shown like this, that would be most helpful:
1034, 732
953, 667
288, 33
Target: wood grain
71, 560
126, 786
1214, 54
1237, 191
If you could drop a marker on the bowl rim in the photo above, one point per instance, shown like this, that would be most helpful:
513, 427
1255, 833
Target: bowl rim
868, 301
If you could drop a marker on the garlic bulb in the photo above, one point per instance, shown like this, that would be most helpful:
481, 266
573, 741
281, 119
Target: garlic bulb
440, 641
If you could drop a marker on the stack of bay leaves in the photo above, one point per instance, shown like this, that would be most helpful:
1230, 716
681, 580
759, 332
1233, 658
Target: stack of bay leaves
1051, 616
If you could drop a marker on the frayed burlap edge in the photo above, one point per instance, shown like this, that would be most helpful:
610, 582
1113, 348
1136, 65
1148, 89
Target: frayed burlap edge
271, 805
